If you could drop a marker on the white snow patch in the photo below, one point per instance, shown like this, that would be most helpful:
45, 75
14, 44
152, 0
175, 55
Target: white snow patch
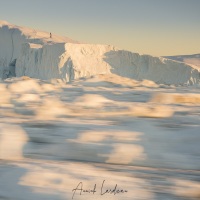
92, 100
25, 86
12, 141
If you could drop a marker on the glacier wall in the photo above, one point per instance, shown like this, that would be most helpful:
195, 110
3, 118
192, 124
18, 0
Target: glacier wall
70, 61
157, 69
33, 53
12, 38
10, 44
66, 61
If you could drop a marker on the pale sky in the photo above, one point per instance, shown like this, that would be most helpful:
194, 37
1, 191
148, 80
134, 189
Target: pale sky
156, 27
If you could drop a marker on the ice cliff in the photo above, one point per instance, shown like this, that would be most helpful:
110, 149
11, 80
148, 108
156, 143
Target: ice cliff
35, 54
11, 39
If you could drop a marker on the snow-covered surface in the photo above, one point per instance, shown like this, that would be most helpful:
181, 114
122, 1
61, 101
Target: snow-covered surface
103, 120
33, 53
190, 59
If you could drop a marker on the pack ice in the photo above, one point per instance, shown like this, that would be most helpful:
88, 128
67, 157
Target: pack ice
28, 52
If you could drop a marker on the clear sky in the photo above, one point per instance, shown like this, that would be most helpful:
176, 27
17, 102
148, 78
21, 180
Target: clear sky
156, 27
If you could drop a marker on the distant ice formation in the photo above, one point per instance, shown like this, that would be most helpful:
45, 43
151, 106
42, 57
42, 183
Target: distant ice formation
190, 59
27, 52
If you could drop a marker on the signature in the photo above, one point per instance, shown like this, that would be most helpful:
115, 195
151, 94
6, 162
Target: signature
79, 190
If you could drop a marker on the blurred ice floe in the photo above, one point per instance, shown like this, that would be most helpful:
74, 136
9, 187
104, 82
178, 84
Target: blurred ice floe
12, 141
49, 130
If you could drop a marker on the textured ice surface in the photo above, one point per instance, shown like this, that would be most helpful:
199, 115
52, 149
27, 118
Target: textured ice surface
28, 52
